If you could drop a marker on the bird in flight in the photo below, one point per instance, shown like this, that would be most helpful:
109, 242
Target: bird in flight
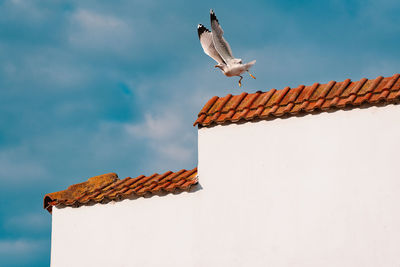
215, 45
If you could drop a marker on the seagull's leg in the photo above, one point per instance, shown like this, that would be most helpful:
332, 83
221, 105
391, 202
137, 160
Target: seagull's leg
240, 81
251, 75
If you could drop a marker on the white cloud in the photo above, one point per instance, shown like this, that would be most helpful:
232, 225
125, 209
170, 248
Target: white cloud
21, 251
47, 69
99, 31
28, 9
27, 222
167, 135
12, 164
93, 21
18, 246
175, 151
157, 127
57, 75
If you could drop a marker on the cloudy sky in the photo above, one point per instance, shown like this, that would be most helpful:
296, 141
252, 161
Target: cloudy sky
91, 87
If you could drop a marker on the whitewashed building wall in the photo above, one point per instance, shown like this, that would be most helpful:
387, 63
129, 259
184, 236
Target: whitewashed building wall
318, 190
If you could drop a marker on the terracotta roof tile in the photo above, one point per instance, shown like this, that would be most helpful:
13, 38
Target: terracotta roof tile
370, 86
396, 85
219, 104
108, 187
274, 103
209, 104
277, 97
306, 93
247, 101
263, 99
291, 96
322, 91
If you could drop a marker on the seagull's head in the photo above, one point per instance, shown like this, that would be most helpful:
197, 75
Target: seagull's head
221, 66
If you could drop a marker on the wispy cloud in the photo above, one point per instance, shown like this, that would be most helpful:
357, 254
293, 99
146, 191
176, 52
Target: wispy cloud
30, 223
23, 169
14, 252
166, 135
19, 246
95, 31
157, 127
29, 9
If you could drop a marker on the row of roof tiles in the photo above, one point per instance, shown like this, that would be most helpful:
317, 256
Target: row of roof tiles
108, 187
306, 99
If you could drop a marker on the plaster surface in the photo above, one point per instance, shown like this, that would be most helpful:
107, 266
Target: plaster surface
319, 190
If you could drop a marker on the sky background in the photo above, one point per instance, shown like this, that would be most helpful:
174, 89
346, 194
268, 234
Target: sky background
91, 87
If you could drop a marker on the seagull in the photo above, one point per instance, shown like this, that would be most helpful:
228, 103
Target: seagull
215, 46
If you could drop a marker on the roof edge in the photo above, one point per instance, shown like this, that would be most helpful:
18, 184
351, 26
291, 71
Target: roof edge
76, 190
107, 187
274, 103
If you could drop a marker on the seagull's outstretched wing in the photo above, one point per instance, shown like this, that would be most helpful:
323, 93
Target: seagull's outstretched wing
206, 42
221, 45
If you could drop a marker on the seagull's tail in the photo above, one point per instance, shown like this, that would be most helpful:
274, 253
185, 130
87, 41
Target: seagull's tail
249, 65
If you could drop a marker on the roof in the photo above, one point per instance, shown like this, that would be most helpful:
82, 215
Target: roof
107, 187
302, 99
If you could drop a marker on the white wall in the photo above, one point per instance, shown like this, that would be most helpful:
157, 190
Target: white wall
320, 190
156, 231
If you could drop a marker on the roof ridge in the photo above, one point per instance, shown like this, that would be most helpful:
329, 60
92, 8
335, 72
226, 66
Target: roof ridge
77, 190
108, 187
291, 101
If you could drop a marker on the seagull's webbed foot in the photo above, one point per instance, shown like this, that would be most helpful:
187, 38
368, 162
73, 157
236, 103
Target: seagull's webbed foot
240, 81
251, 75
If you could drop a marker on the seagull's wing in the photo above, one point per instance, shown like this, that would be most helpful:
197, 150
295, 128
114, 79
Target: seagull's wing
206, 42
221, 45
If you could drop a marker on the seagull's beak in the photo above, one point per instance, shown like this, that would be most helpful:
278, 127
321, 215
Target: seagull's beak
216, 66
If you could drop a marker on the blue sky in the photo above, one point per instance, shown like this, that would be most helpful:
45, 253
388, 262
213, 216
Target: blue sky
91, 87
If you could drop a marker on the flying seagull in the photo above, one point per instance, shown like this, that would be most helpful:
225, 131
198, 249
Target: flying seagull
215, 45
